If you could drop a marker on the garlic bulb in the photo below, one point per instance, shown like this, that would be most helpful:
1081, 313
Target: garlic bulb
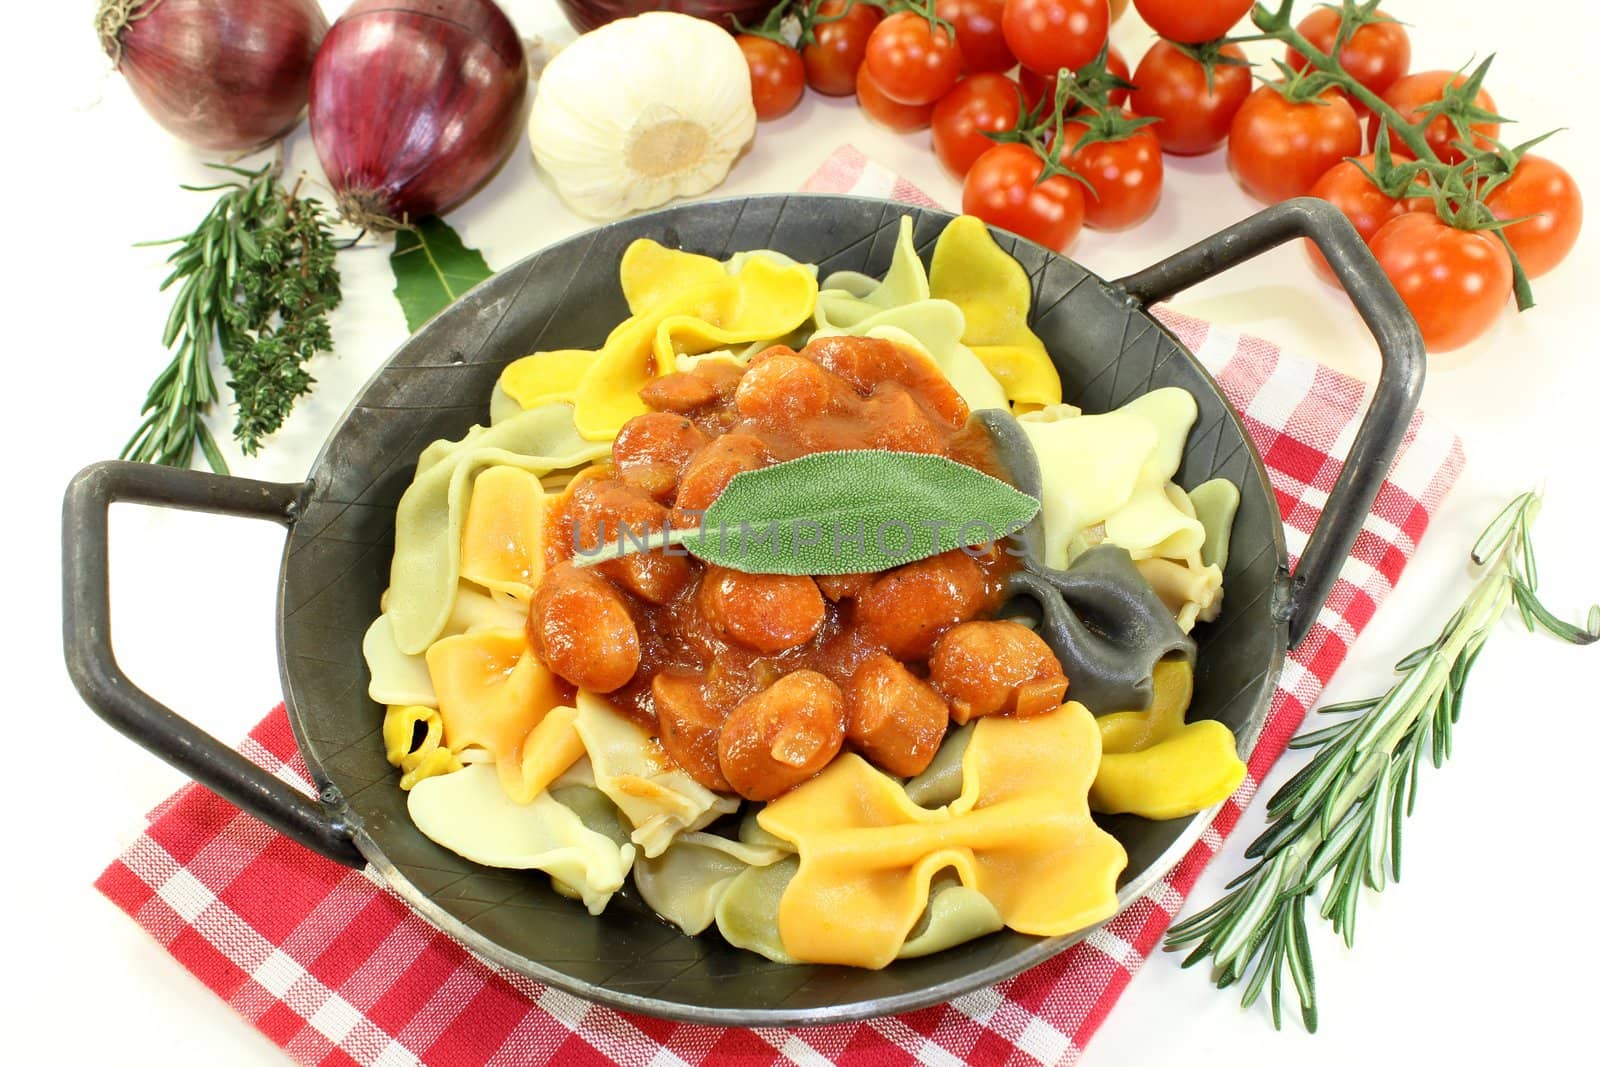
642, 110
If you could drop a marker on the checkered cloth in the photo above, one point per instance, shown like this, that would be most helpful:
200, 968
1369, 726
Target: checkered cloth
334, 968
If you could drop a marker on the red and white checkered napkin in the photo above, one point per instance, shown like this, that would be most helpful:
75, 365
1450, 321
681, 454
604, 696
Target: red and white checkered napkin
336, 970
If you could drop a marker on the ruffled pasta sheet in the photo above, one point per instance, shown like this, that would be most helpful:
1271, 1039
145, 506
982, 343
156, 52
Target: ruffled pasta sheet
899, 308
425, 572
498, 698
398, 678
994, 294
1019, 835
469, 813
679, 303
746, 906
416, 758
659, 799
1156, 765
686, 883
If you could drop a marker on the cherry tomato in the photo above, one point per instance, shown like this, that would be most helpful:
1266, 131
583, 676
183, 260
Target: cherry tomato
1278, 149
1414, 92
911, 61
1172, 87
1363, 203
978, 32
777, 77
979, 104
1003, 189
901, 118
840, 47
1377, 55
1046, 35
1541, 189
1126, 176
1037, 87
1456, 282
1192, 21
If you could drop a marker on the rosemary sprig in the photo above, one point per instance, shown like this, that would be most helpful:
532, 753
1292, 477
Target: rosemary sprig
1335, 826
258, 282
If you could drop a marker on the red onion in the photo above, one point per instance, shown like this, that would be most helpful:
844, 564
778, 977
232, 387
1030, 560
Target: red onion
414, 104
226, 75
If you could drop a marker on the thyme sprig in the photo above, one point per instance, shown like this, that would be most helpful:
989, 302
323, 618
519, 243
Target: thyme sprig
258, 282
1335, 826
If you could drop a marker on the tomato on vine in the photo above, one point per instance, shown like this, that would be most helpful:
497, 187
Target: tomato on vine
1037, 87
1278, 147
1124, 172
839, 45
1347, 187
1004, 189
1193, 21
1544, 195
1377, 54
901, 118
1415, 93
1456, 282
1195, 114
978, 32
983, 103
913, 60
1046, 35
777, 76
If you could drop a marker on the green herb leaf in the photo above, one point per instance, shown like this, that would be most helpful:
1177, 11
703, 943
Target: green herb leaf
844, 513
432, 268
1336, 824
255, 281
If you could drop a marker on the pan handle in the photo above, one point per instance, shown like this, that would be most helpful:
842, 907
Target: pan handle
1393, 401
86, 624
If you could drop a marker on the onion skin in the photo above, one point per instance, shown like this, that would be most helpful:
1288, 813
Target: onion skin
224, 75
415, 104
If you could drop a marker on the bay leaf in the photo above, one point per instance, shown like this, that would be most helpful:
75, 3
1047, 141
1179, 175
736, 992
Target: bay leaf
432, 269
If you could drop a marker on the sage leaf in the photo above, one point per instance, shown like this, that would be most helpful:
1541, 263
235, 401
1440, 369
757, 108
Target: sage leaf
845, 512
432, 269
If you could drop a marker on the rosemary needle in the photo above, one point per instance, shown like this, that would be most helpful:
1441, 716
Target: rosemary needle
1335, 826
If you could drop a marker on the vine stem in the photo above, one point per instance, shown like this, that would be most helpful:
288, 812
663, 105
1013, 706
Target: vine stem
1277, 27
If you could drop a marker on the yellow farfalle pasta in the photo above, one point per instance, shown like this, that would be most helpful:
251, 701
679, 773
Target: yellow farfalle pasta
502, 537
1020, 834
681, 304
416, 760
994, 295
653, 274
494, 694
1155, 765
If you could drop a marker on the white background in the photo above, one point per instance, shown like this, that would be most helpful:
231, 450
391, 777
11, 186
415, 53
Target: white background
1482, 951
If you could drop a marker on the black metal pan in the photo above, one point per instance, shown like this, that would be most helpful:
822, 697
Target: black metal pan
340, 527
